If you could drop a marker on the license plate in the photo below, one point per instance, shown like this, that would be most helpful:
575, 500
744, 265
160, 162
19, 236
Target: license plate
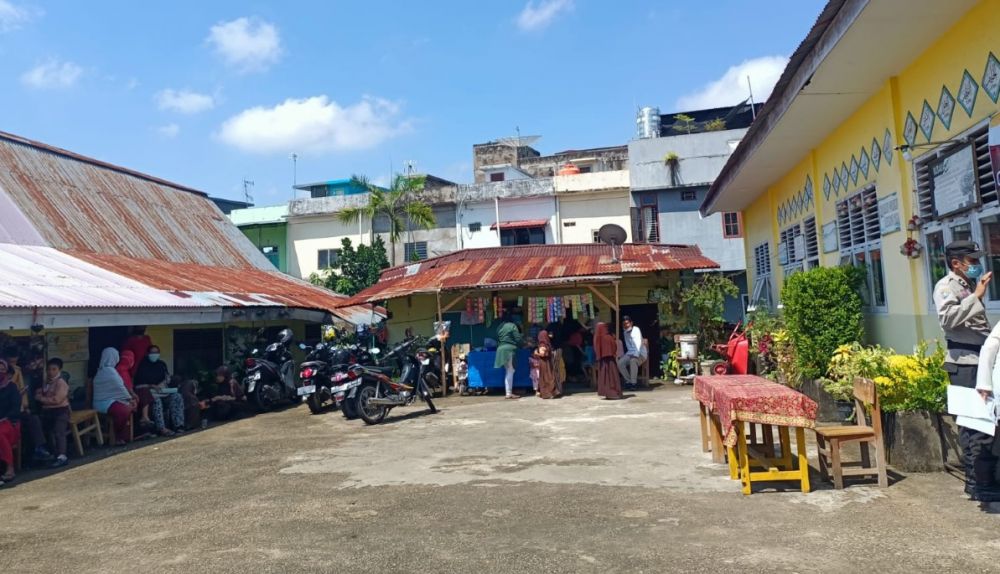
307, 390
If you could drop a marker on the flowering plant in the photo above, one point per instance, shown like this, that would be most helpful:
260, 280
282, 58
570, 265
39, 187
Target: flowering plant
916, 382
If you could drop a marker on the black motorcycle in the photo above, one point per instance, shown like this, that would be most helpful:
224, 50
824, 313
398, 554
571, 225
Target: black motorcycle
377, 393
270, 376
325, 375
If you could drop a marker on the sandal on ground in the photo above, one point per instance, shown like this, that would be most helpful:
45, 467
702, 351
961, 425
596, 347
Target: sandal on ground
166, 432
512, 397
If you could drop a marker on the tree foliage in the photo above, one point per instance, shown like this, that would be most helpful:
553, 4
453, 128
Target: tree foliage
822, 311
706, 298
400, 205
356, 269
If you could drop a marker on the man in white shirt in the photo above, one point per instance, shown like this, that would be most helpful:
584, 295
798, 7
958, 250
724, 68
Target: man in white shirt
635, 353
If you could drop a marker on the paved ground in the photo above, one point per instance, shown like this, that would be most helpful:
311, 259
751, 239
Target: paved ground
487, 485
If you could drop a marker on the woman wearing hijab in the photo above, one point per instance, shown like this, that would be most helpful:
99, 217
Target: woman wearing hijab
547, 387
111, 396
10, 422
508, 339
609, 386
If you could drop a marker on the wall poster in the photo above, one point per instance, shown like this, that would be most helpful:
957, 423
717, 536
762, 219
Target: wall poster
888, 214
953, 181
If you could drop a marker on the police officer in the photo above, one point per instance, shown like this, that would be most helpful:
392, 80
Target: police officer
958, 298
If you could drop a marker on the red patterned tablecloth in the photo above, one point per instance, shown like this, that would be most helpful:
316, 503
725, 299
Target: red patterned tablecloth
753, 399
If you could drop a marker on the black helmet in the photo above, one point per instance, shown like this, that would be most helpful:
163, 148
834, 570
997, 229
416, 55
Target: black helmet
285, 335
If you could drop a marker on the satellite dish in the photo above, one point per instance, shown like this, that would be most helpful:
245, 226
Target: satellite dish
612, 234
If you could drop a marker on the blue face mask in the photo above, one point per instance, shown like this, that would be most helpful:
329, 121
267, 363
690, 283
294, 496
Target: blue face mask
154, 357
974, 271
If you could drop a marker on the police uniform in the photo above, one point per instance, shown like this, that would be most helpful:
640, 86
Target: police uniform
962, 316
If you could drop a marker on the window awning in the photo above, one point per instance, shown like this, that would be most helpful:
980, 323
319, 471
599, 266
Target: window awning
521, 224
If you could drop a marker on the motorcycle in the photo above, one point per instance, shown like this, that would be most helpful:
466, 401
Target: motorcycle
377, 393
270, 376
325, 376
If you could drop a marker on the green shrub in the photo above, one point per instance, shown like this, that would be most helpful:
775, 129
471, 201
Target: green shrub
822, 311
916, 382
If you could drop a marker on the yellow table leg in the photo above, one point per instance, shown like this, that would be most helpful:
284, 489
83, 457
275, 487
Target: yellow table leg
741, 447
800, 444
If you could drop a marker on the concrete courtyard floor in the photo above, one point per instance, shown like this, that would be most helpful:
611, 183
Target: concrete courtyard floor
486, 485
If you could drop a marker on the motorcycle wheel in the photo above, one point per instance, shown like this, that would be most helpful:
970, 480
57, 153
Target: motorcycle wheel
349, 408
371, 414
260, 399
425, 393
315, 403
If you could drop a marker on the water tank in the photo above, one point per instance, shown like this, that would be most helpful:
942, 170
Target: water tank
648, 123
569, 169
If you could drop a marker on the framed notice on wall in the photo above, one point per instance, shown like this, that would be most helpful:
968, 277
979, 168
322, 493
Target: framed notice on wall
953, 181
830, 237
888, 214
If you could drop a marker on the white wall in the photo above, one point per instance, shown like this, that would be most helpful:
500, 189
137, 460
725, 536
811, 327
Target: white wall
690, 228
595, 181
702, 156
510, 173
307, 235
589, 211
484, 213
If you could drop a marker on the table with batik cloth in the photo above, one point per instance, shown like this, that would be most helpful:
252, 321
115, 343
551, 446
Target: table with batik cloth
727, 403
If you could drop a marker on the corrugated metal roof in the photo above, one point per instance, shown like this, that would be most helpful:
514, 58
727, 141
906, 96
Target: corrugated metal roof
77, 232
495, 267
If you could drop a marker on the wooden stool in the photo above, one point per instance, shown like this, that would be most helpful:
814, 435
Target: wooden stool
85, 423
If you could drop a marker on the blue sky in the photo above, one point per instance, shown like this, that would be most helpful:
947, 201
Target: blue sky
207, 93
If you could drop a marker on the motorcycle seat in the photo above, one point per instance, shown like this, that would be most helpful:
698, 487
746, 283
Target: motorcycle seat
379, 369
313, 364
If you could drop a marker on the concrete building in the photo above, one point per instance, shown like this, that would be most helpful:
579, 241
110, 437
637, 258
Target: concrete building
316, 234
876, 154
513, 158
267, 229
670, 173
587, 201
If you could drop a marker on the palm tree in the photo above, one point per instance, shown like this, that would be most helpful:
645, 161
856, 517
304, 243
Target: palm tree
399, 205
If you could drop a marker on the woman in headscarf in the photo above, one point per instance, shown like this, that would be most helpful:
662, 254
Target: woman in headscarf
543, 358
111, 396
508, 340
10, 422
609, 386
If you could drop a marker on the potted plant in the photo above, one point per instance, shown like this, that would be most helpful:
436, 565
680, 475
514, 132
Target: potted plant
673, 163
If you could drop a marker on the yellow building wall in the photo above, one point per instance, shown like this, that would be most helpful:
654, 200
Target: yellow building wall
966, 46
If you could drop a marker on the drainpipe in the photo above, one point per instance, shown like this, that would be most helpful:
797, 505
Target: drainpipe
458, 224
557, 235
496, 203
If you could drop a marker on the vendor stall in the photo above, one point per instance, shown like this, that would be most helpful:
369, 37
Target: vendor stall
537, 286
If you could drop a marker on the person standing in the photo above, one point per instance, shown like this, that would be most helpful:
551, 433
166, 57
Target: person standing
508, 340
958, 299
635, 353
609, 386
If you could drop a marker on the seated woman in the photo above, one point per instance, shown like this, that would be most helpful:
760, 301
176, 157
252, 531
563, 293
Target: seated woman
10, 424
228, 399
126, 364
151, 379
111, 396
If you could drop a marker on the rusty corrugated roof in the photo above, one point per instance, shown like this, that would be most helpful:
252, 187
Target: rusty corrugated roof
495, 267
104, 236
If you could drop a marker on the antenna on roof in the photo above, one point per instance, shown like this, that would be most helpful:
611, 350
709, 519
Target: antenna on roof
753, 108
612, 235
247, 186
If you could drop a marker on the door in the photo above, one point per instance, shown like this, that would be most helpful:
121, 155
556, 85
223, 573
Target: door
646, 317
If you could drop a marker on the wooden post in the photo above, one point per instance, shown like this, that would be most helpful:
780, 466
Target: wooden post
618, 311
444, 383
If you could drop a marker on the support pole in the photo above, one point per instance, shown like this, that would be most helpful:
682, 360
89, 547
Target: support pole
618, 319
444, 383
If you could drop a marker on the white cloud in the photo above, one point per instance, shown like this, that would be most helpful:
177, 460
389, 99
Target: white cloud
535, 16
248, 44
184, 101
52, 74
314, 124
13, 16
732, 89
169, 131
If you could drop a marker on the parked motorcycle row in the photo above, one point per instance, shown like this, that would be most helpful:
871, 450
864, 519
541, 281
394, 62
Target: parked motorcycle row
363, 382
